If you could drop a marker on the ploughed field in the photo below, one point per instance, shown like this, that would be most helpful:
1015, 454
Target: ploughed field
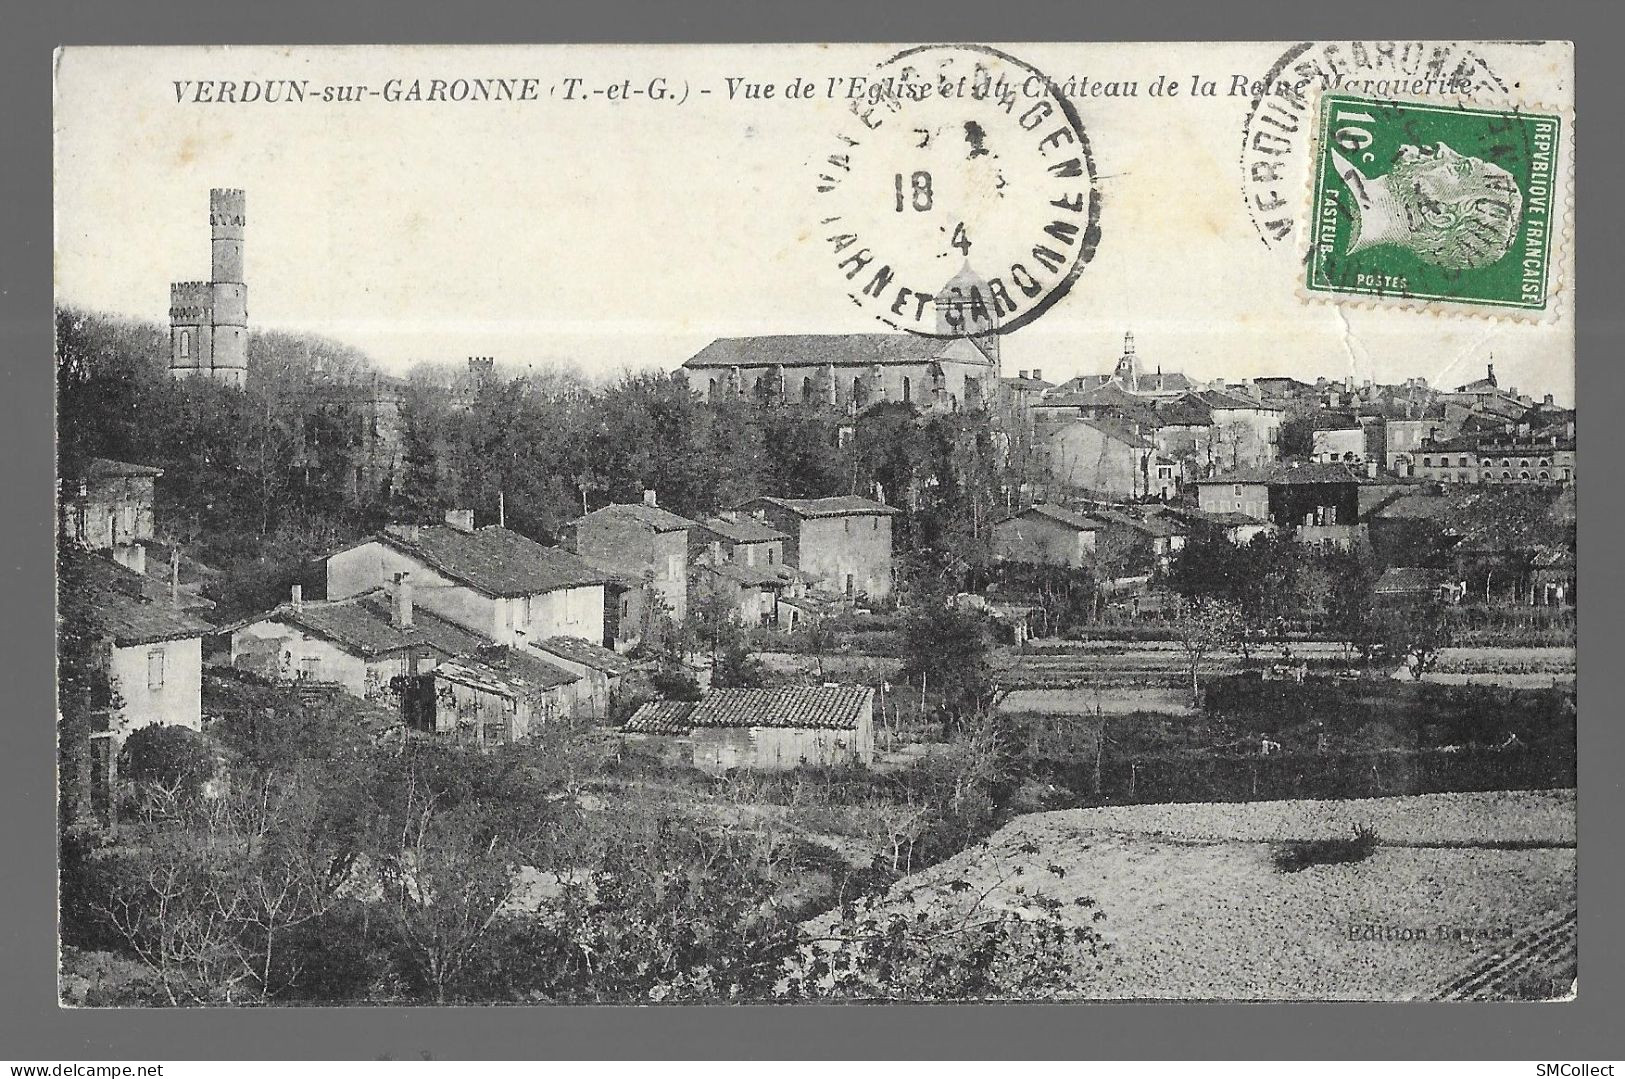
1464, 895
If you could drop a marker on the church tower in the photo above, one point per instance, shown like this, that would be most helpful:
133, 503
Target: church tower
1127, 373
965, 309
208, 320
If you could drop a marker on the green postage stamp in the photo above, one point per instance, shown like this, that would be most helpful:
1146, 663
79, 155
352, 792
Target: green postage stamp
1436, 202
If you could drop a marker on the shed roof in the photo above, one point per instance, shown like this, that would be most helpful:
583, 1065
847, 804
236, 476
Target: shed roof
743, 529
786, 707
105, 468
661, 717
584, 652
1408, 579
507, 672
495, 560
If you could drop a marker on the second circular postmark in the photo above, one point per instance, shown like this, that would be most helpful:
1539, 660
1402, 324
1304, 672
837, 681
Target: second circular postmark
960, 196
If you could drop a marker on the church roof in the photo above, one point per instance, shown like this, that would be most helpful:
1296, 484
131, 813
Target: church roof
842, 350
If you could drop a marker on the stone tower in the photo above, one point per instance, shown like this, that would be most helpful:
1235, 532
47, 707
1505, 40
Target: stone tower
1127, 373
208, 320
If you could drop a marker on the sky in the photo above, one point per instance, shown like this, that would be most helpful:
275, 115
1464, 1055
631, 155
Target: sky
618, 234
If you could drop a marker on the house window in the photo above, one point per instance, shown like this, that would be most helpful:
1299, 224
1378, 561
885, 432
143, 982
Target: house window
1462, 462
1506, 475
1427, 462
874, 524
1489, 475
155, 668
1524, 463
851, 586
1238, 489
1505, 463
808, 391
1545, 475
1523, 475
1568, 473
1545, 462
310, 667
908, 389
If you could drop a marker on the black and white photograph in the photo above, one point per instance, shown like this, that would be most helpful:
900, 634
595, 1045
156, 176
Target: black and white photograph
808, 524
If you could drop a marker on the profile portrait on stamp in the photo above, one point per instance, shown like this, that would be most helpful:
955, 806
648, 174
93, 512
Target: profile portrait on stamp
1419, 201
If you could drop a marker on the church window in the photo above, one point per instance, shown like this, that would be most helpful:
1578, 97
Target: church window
186, 343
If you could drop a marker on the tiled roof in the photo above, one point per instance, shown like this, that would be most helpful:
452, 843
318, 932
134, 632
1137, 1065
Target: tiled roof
103, 468
508, 672
795, 707
1108, 395
1061, 515
1227, 399
743, 529
123, 605
1184, 412
661, 520
496, 561
1418, 507
1017, 383
587, 654
1153, 525
842, 350
1408, 579
363, 624
834, 506
1113, 429
754, 576
661, 717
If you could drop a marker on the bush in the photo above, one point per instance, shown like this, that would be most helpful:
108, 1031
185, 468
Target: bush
176, 760
1301, 854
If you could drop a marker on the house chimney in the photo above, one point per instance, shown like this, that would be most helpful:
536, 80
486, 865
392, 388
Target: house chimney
648, 496
298, 598
461, 520
1371, 469
401, 602
1038, 373
1022, 375
1548, 401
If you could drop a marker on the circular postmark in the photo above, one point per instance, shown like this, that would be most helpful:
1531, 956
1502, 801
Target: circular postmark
1275, 138
959, 197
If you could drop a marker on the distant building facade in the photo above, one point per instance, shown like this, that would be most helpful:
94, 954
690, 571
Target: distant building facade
766, 729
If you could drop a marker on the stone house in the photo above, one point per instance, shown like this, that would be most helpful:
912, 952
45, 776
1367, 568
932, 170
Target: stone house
109, 507
1106, 457
1046, 533
155, 649
601, 671
766, 729
642, 543
492, 581
842, 543
368, 643
498, 695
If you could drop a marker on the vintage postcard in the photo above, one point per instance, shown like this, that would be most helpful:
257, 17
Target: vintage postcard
794, 523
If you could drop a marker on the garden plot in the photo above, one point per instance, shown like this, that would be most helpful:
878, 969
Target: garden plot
1526, 668
1195, 907
1099, 700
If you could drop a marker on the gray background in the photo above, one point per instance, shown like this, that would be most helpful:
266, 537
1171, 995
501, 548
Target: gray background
33, 1028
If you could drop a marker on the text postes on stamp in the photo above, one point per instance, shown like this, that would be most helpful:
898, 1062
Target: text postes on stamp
1434, 202
960, 197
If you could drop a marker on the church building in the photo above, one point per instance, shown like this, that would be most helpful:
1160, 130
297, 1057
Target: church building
1128, 377
958, 368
